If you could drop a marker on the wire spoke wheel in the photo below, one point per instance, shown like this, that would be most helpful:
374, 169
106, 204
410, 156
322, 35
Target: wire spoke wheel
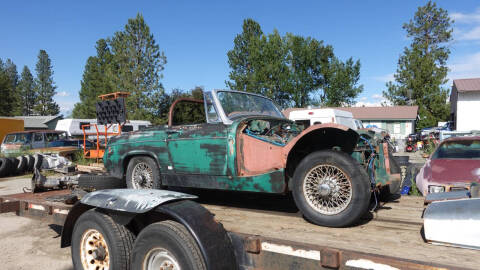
142, 176
327, 189
160, 258
94, 253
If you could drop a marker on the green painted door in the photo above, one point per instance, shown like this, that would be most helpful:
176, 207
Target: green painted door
198, 149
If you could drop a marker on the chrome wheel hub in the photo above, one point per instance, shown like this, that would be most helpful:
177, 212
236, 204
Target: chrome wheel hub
327, 189
160, 258
142, 176
94, 251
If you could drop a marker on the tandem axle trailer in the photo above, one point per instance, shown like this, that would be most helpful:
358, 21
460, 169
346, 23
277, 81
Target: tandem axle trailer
257, 238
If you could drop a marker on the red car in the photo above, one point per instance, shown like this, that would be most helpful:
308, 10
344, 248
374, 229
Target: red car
454, 164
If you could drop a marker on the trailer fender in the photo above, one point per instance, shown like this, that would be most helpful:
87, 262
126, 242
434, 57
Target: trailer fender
124, 203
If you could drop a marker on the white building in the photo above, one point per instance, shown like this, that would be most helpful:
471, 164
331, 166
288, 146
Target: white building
465, 104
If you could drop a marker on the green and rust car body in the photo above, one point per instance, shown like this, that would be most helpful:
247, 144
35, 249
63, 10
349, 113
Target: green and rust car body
225, 154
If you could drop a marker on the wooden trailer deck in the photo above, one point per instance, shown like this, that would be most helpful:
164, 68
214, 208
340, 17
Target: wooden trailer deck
393, 232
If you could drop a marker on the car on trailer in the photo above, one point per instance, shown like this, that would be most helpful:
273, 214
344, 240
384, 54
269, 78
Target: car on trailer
242, 142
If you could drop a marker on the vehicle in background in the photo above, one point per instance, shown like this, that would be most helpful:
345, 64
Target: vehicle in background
453, 166
358, 123
41, 140
73, 127
9, 125
310, 117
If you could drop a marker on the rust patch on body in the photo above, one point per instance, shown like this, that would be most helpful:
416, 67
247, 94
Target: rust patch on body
257, 157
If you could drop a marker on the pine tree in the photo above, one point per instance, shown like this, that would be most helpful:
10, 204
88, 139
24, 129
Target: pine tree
137, 63
45, 86
95, 81
8, 101
26, 90
422, 69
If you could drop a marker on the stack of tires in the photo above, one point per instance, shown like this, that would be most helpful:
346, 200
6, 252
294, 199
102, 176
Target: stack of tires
11, 166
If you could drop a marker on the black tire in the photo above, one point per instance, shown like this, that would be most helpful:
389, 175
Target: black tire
93, 182
349, 171
37, 163
5, 167
13, 165
30, 163
170, 237
143, 183
22, 165
118, 240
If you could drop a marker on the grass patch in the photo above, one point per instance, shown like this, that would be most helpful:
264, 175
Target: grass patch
413, 188
79, 159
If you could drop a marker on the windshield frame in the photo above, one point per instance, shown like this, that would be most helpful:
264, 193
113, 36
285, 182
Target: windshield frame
225, 119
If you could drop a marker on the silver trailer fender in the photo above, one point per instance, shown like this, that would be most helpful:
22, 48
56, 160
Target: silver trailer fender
453, 222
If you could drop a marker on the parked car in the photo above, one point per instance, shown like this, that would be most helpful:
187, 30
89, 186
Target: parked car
41, 140
244, 143
454, 165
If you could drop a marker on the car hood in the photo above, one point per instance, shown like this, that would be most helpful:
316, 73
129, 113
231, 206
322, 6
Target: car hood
454, 170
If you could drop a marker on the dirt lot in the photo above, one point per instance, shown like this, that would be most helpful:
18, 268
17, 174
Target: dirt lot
26, 243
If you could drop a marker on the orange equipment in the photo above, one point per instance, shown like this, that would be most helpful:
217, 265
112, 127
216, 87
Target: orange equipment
98, 152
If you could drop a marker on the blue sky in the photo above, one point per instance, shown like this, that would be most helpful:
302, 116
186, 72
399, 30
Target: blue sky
196, 36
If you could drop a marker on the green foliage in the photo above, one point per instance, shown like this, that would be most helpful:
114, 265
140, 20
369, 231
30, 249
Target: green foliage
26, 90
44, 86
185, 113
422, 70
137, 63
95, 81
292, 70
7, 90
79, 158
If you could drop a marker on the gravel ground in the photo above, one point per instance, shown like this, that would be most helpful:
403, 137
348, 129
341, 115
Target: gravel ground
26, 243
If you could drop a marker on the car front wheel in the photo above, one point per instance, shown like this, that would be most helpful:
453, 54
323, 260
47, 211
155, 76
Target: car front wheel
331, 189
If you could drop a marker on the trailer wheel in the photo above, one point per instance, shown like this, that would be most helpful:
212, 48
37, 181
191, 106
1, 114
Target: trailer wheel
5, 166
98, 242
143, 173
331, 188
166, 245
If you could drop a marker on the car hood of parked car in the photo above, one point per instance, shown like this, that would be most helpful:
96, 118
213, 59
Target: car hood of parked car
454, 170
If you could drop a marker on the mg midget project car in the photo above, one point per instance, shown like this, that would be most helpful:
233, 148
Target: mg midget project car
242, 142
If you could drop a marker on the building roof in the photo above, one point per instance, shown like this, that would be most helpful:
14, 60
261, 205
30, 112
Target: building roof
374, 113
467, 85
38, 122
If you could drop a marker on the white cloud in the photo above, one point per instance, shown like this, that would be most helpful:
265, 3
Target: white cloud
363, 98
377, 96
375, 100
467, 66
63, 94
385, 78
466, 18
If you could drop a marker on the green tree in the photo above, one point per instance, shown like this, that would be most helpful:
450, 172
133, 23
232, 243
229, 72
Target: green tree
95, 81
11, 70
137, 63
45, 86
8, 99
26, 90
422, 70
292, 70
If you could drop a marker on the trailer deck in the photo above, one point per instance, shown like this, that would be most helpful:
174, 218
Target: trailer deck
267, 239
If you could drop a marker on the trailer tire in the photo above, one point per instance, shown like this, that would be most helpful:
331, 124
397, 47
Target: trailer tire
166, 243
147, 170
97, 182
5, 167
331, 188
98, 240
13, 165
22, 165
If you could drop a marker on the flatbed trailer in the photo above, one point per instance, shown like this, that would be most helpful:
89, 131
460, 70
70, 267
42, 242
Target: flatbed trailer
262, 238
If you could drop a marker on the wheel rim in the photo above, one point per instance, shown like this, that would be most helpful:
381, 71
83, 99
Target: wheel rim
142, 176
160, 258
327, 189
94, 251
